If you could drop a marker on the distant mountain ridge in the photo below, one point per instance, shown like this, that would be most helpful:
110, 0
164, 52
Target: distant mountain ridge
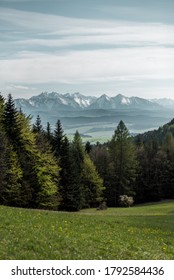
96, 117
165, 102
55, 101
122, 102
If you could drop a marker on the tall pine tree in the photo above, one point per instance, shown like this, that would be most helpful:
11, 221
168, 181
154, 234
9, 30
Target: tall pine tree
123, 165
40, 172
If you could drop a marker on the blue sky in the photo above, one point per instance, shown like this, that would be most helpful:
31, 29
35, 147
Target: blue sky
94, 47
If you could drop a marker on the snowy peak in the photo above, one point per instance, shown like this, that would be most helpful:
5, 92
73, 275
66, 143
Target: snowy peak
104, 97
125, 101
103, 102
81, 100
57, 102
47, 100
120, 101
54, 101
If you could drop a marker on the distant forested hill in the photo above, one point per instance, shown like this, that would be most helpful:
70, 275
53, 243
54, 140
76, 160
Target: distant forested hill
157, 134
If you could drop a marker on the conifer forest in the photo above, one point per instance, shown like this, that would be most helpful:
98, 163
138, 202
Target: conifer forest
42, 169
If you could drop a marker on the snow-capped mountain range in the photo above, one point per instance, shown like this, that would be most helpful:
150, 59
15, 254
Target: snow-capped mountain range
55, 101
97, 117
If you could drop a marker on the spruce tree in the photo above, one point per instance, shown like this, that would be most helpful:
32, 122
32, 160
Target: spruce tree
123, 166
58, 139
66, 176
40, 172
70, 177
88, 147
11, 122
92, 184
37, 127
48, 133
11, 173
47, 171
12, 194
77, 154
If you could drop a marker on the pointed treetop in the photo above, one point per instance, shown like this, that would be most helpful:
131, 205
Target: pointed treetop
121, 131
38, 126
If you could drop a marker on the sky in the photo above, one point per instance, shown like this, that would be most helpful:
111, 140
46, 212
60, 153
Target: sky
93, 47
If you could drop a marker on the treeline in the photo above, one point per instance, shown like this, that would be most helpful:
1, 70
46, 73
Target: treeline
41, 168
141, 167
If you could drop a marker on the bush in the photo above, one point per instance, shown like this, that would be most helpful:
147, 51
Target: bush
102, 206
126, 201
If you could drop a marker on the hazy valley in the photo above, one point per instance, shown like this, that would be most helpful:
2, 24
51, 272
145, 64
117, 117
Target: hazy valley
96, 118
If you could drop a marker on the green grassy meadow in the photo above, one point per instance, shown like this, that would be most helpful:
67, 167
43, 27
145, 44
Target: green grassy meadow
141, 232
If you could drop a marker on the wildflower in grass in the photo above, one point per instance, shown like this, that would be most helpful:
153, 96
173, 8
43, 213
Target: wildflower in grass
53, 227
164, 248
131, 230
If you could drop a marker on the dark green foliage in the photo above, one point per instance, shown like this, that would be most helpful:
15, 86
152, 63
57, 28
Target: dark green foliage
155, 180
2, 105
88, 147
77, 155
80, 184
4, 150
157, 135
66, 175
62, 152
32, 175
123, 163
37, 127
100, 157
40, 169
144, 170
58, 139
150, 171
11, 173
48, 133
11, 122
168, 166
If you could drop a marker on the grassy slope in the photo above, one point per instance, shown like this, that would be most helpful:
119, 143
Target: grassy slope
142, 232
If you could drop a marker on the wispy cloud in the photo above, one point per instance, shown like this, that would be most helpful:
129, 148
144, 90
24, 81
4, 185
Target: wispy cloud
42, 48
22, 87
36, 29
80, 66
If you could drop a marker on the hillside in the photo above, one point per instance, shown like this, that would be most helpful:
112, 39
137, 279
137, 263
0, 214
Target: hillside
157, 134
142, 232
